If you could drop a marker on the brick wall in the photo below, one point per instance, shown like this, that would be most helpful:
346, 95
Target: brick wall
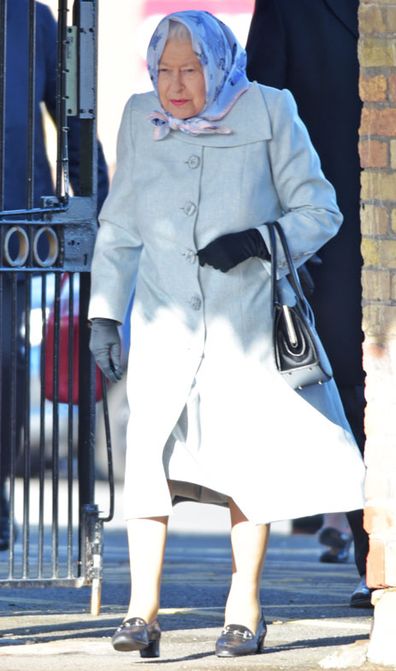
377, 56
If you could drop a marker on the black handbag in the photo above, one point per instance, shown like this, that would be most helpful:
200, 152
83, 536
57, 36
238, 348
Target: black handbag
299, 353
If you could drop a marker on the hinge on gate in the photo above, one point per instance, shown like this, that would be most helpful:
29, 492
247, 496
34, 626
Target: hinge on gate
71, 71
86, 58
81, 62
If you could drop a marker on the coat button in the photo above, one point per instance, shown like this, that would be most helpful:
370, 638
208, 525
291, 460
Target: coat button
195, 302
189, 208
193, 161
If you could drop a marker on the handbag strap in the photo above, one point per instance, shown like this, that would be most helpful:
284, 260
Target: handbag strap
274, 263
273, 229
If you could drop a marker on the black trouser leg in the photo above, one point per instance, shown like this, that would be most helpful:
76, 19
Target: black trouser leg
354, 404
360, 539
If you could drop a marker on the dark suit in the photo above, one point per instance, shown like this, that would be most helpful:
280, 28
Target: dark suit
310, 48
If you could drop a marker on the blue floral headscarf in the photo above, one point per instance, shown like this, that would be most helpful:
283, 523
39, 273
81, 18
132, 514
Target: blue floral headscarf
223, 63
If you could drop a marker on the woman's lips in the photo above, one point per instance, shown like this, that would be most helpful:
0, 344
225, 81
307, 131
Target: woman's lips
179, 103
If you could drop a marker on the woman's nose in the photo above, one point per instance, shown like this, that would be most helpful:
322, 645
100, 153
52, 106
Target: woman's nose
177, 81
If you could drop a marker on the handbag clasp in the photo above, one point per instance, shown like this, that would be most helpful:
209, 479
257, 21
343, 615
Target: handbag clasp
291, 331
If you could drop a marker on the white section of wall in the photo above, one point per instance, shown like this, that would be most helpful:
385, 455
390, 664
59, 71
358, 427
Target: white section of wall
120, 68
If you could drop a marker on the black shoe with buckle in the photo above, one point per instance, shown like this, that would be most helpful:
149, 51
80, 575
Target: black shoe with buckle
136, 634
236, 640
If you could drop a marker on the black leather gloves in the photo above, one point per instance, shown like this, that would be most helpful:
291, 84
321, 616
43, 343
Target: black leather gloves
105, 345
228, 250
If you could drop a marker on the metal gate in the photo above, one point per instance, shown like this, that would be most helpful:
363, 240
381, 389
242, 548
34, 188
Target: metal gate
48, 382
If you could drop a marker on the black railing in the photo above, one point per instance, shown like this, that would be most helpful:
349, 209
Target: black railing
48, 381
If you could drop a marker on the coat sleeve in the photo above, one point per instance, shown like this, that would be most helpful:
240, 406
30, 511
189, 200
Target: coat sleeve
118, 243
310, 214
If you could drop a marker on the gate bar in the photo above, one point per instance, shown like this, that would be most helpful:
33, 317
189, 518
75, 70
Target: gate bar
3, 62
31, 105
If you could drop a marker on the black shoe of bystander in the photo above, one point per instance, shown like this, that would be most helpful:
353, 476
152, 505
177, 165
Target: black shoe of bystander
339, 545
361, 596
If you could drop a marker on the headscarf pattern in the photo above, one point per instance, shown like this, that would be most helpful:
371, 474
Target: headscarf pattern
223, 63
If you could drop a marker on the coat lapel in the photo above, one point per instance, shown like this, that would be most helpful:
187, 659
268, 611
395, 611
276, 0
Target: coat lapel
346, 11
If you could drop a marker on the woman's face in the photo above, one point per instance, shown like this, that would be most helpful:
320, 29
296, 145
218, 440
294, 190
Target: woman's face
181, 83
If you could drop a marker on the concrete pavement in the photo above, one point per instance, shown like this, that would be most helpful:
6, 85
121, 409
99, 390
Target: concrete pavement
311, 625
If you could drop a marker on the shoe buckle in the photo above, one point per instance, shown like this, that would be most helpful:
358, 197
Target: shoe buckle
238, 633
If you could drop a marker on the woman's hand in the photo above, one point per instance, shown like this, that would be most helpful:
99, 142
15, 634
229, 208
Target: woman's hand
105, 345
228, 250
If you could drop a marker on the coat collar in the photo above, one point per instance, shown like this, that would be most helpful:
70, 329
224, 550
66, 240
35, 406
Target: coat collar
249, 120
346, 12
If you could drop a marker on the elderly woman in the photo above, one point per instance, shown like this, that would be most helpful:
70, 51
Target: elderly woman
204, 161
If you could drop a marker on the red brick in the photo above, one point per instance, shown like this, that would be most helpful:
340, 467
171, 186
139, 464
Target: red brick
390, 562
378, 121
376, 564
392, 88
373, 89
379, 520
373, 154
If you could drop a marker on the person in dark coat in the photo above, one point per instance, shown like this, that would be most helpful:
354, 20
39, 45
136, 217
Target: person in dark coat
16, 183
310, 48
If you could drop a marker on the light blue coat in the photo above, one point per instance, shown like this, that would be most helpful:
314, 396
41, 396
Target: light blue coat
169, 199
